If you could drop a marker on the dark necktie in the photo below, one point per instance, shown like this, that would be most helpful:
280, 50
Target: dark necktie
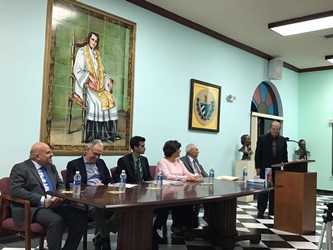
47, 178
274, 147
137, 170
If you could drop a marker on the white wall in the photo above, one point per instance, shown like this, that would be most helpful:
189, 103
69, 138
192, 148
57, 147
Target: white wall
167, 56
316, 109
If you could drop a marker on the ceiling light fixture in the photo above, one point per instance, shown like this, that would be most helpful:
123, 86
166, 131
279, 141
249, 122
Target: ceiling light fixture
303, 24
329, 58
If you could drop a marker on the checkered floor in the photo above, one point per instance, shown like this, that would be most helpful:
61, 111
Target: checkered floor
246, 222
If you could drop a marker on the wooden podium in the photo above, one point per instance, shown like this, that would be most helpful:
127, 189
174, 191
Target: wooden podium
295, 201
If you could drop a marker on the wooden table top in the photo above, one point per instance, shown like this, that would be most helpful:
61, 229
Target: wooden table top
146, 194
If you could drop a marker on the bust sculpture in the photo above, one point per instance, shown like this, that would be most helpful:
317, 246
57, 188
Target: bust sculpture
302, 152
246, 148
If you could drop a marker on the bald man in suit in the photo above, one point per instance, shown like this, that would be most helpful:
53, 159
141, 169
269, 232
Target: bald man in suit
271, 149
31, 180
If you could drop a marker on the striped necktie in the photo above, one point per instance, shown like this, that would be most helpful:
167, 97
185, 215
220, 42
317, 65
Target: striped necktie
196, 167
47, 178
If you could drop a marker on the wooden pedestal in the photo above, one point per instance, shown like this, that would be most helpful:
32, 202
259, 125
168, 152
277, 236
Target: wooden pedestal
295, 202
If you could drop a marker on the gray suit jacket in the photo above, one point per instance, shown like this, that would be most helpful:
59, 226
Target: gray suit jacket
187, 162
25, 183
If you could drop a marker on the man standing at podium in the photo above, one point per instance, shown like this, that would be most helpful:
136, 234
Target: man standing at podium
271, 149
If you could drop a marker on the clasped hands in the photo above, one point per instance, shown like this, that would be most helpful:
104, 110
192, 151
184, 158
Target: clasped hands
93, 83
53, 202
194, 178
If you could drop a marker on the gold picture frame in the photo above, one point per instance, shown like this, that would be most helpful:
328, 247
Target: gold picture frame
65, 114
204, 113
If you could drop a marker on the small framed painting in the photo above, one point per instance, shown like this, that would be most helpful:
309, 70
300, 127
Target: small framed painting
204, 113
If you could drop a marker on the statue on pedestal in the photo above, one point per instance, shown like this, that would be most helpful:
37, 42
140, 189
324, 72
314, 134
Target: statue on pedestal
302, 152
246, 148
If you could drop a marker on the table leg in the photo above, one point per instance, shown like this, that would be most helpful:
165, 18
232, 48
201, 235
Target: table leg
222, 226
135, 230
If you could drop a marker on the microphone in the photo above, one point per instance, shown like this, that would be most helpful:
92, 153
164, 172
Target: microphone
288, 140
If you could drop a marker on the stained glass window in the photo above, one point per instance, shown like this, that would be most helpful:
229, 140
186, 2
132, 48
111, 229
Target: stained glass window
264, 100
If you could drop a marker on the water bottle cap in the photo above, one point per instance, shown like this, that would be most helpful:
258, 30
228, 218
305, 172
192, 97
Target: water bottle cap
77, 172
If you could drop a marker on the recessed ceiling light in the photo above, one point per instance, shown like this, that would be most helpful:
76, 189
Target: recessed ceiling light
303, 24
329, 58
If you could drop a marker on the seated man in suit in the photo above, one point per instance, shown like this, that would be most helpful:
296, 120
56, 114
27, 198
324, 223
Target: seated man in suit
94, 172
135, 165
192, 164
31, 180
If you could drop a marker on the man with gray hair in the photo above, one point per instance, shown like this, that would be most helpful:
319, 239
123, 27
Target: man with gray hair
192, 164
94, 172
271, 149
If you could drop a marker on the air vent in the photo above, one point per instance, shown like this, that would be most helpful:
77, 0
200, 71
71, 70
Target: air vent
326, 37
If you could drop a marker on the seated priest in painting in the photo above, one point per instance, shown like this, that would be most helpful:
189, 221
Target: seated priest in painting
94, 172
102, 110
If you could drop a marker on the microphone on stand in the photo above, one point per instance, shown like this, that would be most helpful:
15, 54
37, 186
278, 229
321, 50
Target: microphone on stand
288, 139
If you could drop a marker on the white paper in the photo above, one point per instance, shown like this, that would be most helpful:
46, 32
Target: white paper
227, 178
128, 185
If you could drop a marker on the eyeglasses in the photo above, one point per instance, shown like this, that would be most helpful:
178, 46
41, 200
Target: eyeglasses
94, 153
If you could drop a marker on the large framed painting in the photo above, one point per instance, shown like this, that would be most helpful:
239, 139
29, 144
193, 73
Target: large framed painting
88, 79
204, 111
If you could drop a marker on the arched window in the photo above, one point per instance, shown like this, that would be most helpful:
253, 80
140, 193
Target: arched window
264, 100
265, 107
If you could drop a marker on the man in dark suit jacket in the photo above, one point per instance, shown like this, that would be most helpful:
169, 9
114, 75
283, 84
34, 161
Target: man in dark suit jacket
31, 180
135, 165
192, 164
94, 172
271, 149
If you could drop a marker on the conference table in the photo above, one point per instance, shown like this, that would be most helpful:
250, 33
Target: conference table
136, 207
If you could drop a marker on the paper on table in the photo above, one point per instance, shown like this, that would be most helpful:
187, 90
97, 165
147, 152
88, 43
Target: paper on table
167, 182
227, 178
66, 192
173, 183
115, 192
128, 185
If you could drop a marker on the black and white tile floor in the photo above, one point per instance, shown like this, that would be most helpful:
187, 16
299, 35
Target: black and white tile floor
246, 222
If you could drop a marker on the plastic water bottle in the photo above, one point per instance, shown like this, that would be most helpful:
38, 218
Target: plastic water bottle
210, 189
159, 179
122, 183
211, 176
245, 174
77, 184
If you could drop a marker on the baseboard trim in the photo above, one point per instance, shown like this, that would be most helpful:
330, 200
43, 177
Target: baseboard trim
324, 192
